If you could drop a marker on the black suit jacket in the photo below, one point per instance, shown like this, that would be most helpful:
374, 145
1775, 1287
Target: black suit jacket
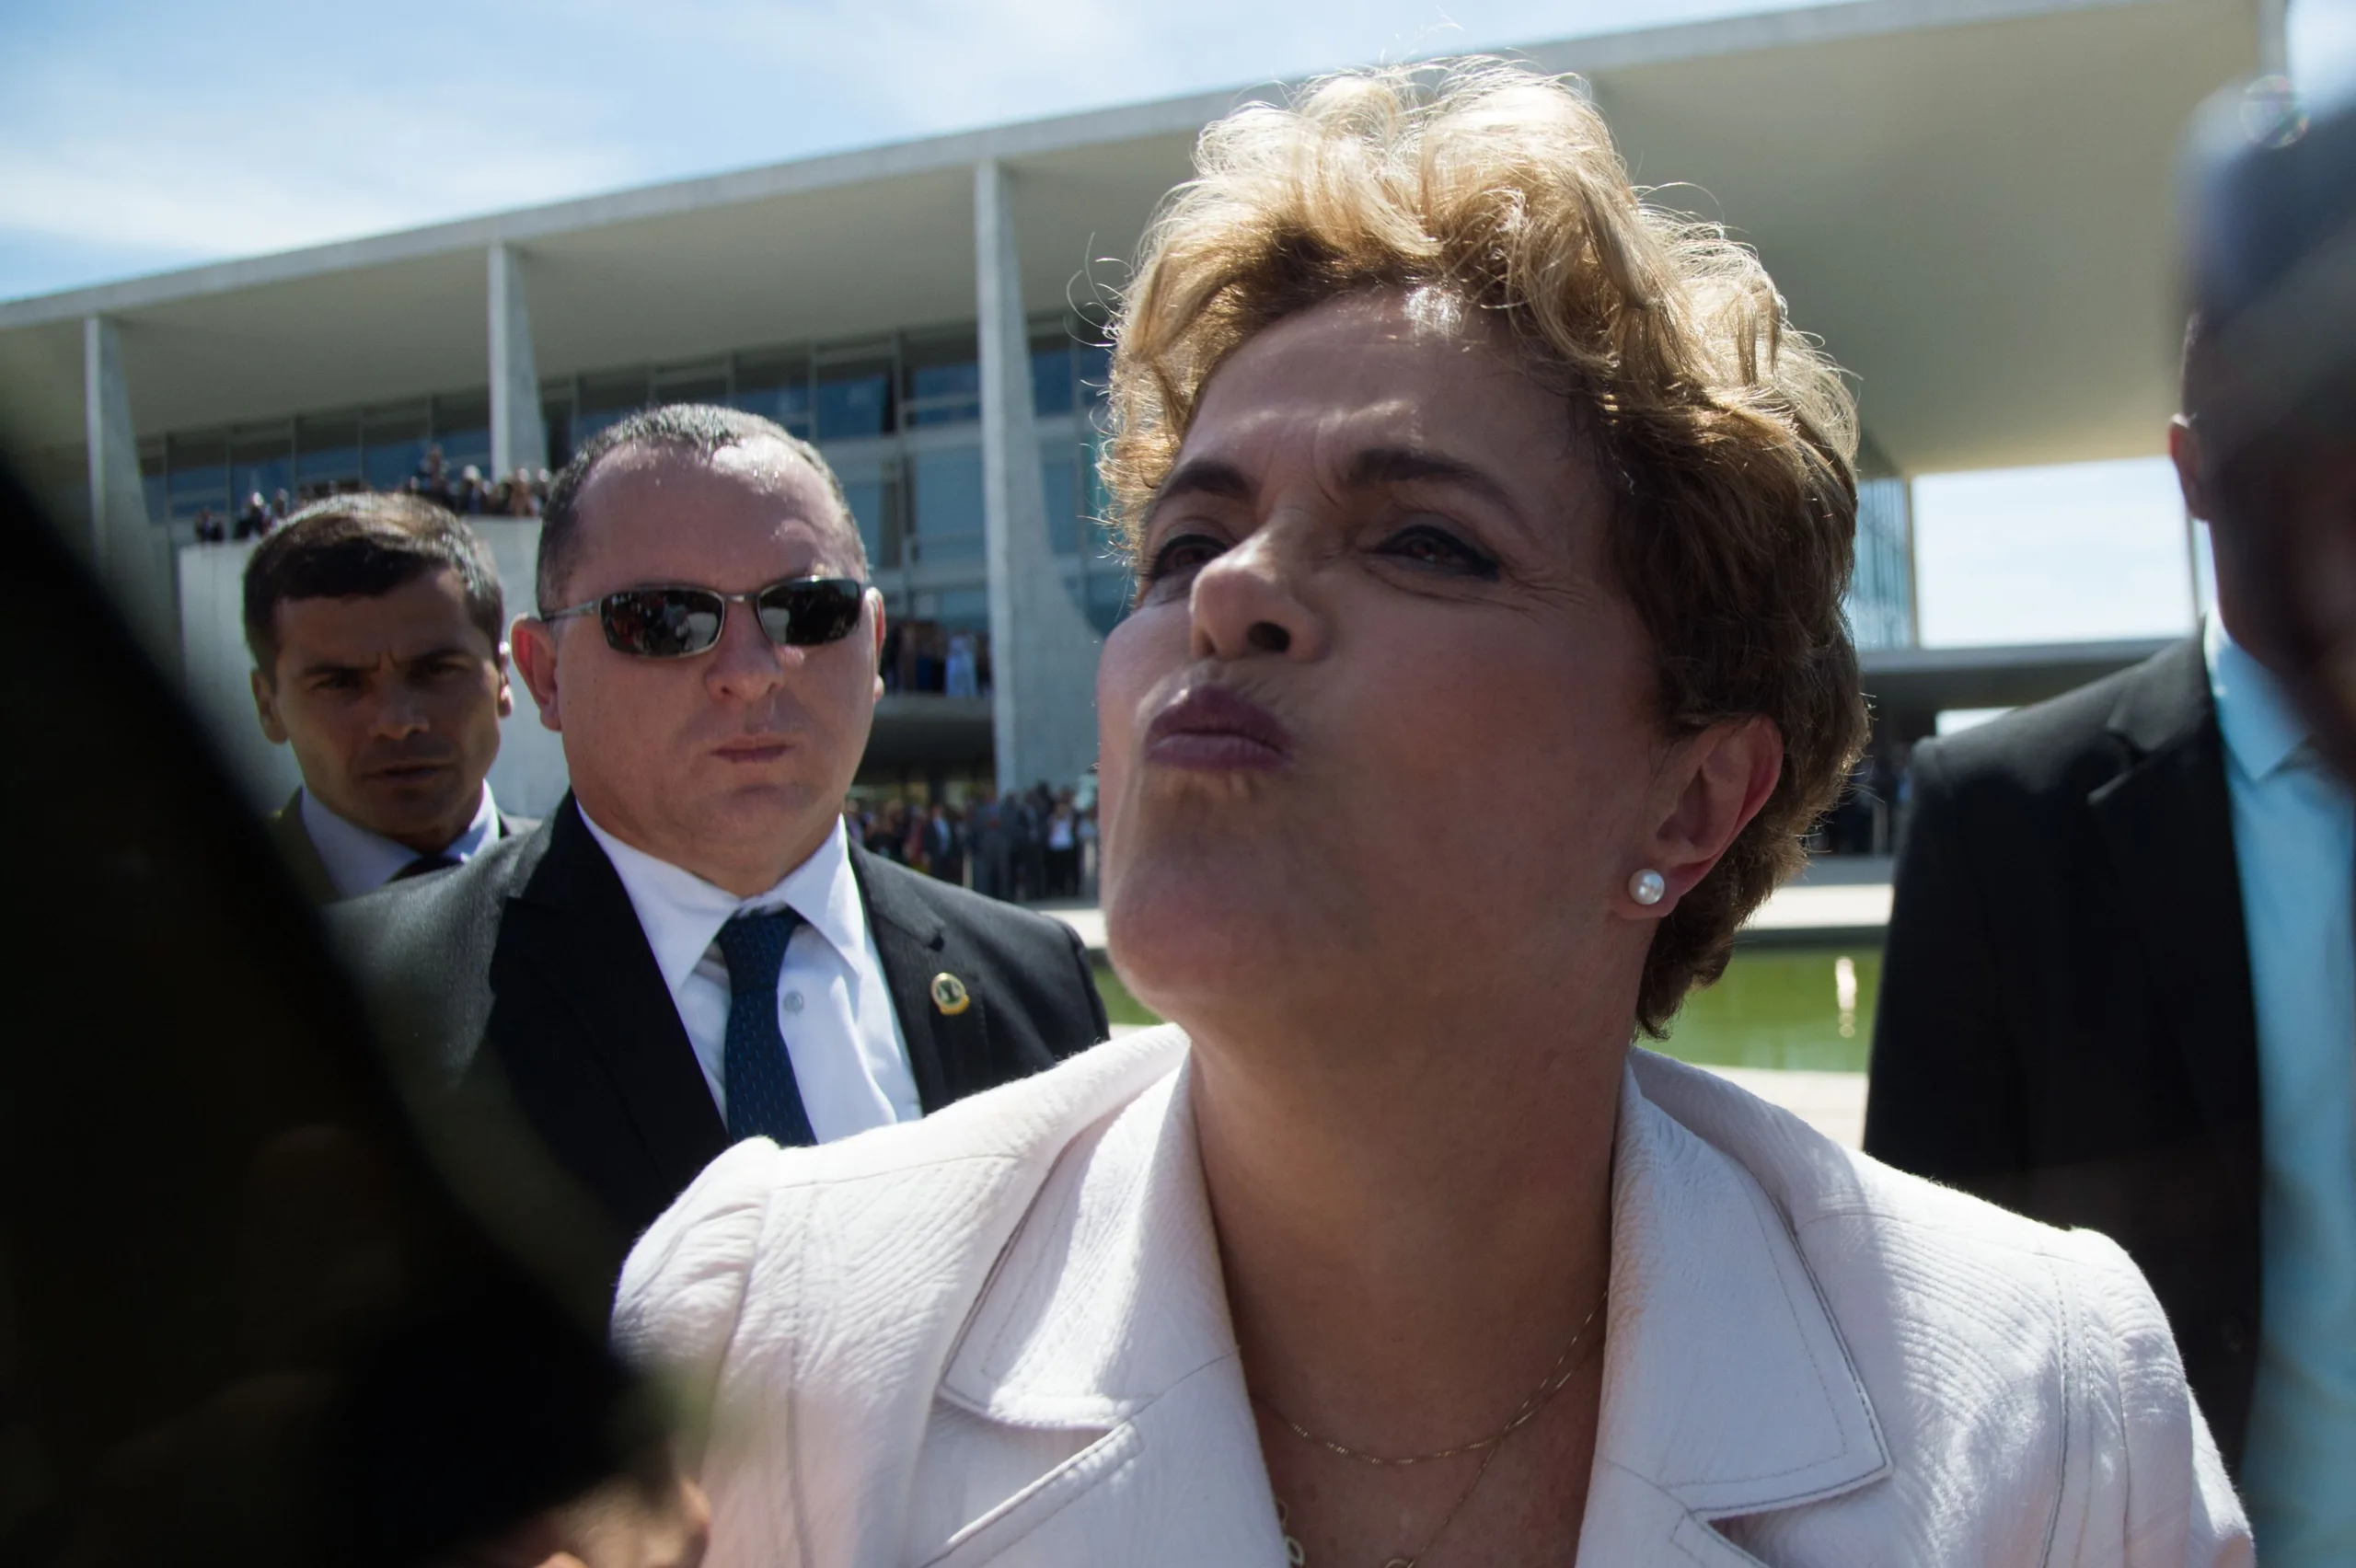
2065, 1024
523, 974
293, 840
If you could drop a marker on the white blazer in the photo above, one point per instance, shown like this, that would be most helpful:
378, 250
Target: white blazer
1001, 1336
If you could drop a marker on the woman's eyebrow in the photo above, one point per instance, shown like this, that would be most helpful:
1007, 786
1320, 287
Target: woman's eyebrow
1204, 476
1409, 464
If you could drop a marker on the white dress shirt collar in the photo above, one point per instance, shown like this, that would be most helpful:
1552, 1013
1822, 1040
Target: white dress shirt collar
360, 861
2262, 731
682, 913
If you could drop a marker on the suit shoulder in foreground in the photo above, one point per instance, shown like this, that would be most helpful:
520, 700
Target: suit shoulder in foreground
421, 950
2066, 744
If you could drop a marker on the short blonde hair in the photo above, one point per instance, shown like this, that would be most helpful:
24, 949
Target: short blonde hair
1723, 437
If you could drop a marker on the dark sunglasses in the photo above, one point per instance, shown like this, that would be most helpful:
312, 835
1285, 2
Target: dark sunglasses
675, 623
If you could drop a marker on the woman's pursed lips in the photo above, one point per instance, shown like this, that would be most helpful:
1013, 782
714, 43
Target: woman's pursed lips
1213, 728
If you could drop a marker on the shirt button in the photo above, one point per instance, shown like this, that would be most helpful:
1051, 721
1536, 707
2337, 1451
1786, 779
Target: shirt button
793, 1001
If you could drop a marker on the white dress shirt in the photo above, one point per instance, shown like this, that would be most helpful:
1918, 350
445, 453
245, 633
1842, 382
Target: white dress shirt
2294, 843
850, 1061
360, 861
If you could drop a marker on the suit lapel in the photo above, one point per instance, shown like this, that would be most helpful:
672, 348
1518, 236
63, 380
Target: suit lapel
302, 857
1105, 1317
2167, 824
1727, 1391
911, 941
571, 930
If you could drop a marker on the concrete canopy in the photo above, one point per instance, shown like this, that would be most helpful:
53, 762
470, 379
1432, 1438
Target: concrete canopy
1971, 201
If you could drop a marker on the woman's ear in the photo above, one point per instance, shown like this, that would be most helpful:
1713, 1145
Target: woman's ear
1722, 778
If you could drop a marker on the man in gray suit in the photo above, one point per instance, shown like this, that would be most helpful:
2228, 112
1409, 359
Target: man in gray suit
380, 656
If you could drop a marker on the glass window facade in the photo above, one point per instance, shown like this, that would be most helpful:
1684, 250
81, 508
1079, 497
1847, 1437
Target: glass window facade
871, 484
392, 445
964, 609
1051, 388
705, 383
898, 418
378, 448
196, 475
854, 400
260, 464
947, 487
1062, 476
152, 481
1107, 596
462, 429
604, 400
1881, 592
326, 453
1068, 370
941, 381
777, 387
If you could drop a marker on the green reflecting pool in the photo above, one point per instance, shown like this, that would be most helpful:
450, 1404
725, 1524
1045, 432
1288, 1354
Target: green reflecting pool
1119, 1006
1785, 1007
1776, 1007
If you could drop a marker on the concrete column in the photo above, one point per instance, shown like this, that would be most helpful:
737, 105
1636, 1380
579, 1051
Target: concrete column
2273, 45
1043, 651
132, 557
519, 437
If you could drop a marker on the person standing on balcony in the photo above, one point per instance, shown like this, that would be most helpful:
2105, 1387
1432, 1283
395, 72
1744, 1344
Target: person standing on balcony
958, 679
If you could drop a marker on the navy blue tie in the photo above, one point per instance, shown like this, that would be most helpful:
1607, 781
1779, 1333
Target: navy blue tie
757, 1074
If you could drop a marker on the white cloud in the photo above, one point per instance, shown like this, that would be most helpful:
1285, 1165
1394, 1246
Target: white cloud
134, 171
368, 121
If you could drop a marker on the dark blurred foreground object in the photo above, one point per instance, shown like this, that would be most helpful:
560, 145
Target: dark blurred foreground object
2270, 207
243, 1319
2065, 1024
2090, 976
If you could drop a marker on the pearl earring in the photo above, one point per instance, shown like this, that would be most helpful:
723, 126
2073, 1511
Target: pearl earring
1647, 886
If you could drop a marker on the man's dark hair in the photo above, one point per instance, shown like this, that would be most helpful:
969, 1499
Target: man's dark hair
357, 547
701, 429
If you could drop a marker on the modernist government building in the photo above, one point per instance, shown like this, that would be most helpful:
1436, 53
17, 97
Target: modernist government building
1972, 202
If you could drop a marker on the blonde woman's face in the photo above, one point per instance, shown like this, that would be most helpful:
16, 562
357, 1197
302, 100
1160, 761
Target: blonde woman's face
1380, 720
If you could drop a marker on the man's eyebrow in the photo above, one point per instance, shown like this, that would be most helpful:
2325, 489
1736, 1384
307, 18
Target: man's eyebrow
1408, 464
1204, 476
319, 667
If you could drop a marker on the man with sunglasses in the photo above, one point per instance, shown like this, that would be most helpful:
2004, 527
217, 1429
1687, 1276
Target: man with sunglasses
689, 951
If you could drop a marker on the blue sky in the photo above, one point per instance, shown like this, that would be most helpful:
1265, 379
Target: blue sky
136, 137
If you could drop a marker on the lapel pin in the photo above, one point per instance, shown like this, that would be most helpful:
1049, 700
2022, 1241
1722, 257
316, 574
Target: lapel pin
949, 994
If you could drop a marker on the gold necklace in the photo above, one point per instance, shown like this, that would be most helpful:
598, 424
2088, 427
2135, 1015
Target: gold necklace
1297, 1556
1557, 1376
